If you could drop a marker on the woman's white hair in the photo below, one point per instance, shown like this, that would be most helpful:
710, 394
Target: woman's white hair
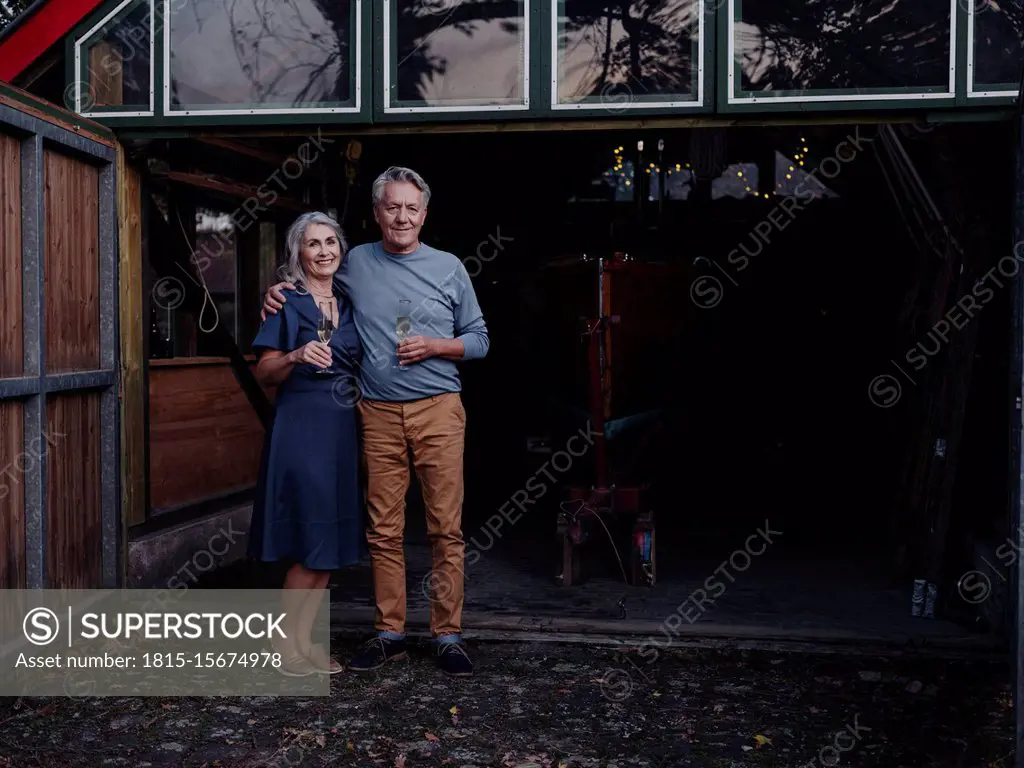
292, 270
398, 173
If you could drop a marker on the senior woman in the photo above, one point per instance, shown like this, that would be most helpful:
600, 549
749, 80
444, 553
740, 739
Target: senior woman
306, 510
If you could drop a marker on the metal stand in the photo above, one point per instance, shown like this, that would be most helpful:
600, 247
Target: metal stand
603, 502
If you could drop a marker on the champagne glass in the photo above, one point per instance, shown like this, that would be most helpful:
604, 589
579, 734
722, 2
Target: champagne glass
324, 330
403, 326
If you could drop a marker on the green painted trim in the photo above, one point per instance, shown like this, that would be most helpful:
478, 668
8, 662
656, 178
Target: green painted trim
158, 70
962, 54
709, 50
30, 101
722, 62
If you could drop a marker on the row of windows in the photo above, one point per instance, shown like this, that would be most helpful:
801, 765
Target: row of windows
233, 56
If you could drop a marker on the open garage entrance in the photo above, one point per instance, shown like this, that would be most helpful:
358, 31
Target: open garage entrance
802, 370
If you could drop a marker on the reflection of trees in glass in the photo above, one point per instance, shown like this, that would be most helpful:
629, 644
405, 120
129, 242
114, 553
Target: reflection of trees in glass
998, 32
426, 54
10, 10
793, 45
635, 47
290, 52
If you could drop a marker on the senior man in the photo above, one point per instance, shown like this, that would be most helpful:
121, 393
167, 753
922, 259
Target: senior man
410, 402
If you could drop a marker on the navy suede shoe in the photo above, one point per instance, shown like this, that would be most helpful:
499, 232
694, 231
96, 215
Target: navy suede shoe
378, 652
453, 659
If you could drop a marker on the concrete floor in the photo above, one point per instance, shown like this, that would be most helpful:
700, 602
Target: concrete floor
824, 601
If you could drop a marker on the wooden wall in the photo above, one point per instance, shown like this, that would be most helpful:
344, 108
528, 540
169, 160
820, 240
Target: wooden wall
12, 498
11, 341
71, 268
74, 556
58, 385
204, 437
12, 490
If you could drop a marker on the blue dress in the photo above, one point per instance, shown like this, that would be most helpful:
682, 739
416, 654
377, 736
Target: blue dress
308, 498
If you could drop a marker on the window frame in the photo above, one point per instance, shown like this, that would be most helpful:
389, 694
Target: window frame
358, 98
732, 100
705, 72
82, 36
988, 91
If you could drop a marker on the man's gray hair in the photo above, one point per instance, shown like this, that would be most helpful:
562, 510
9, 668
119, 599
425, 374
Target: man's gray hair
292, 270
398, 173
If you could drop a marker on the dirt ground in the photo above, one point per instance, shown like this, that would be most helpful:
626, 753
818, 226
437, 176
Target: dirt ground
551, 705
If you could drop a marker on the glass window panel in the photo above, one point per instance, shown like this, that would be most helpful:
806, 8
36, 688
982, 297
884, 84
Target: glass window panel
739, 180
627, 52
458, 53
262, 54
792, 180
678, 183
788, 47
116, 63
998, 31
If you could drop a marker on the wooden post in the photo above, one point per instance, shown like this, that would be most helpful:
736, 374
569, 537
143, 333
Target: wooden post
131, 327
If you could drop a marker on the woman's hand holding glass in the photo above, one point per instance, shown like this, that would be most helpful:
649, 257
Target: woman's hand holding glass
314, 352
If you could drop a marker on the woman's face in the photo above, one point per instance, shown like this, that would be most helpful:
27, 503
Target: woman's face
321, 251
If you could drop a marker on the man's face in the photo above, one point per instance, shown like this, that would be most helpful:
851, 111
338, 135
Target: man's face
401, 214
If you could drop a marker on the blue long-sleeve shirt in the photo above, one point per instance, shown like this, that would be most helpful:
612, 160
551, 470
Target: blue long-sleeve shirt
443, 305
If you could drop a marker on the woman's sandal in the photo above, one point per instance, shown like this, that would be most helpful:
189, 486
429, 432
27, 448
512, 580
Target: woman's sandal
322, 660
296, 665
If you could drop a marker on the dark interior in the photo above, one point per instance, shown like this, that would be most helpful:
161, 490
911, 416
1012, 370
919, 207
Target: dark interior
763, 399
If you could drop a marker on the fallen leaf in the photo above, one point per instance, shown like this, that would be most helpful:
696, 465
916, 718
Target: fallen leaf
400, 760
719, 707
47, 710
429, 736
455, 709
321, 740
656, 694
747, 748
250, 721
762, 740
350, 746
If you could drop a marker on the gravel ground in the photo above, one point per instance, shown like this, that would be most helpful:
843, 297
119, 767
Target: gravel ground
552, 706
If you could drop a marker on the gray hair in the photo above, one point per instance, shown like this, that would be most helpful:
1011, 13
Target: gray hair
292, 270
398, 173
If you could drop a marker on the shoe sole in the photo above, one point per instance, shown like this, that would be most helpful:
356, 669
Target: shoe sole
457, 674
289, 673
388, 660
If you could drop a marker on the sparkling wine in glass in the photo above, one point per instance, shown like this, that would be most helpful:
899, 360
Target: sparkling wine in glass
324, 330
403, 326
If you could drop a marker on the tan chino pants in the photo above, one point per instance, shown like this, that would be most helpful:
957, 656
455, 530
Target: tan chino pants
433, 430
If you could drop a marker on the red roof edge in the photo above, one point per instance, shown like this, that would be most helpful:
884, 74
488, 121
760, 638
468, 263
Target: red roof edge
34, 36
